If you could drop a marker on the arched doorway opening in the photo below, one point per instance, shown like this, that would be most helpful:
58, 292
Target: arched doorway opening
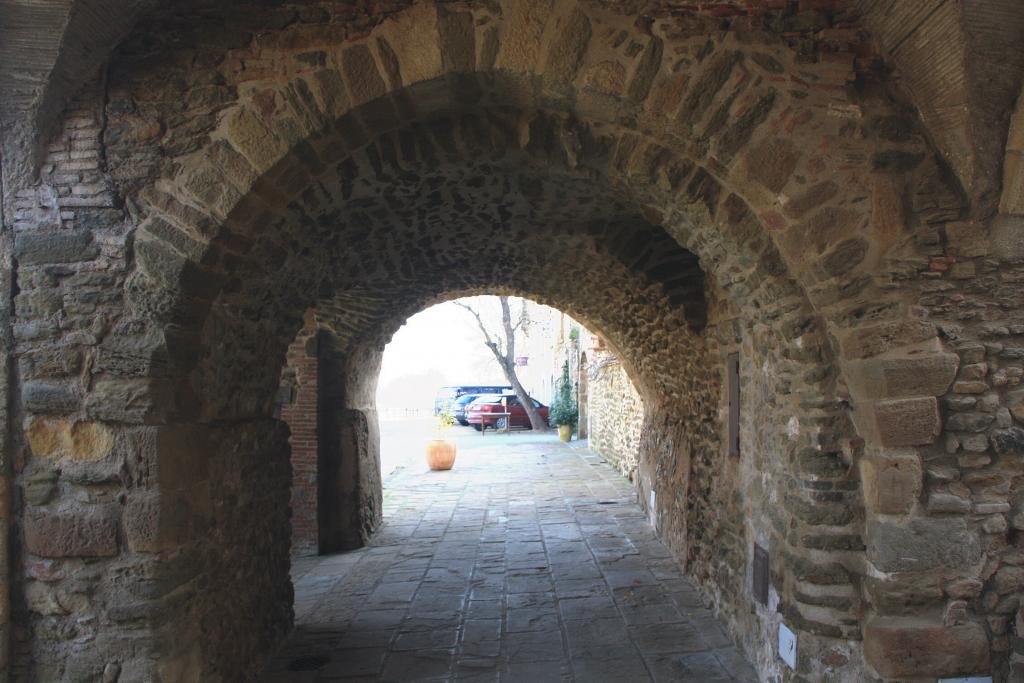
529, 558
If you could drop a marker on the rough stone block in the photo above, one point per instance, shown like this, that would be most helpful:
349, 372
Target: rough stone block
139, 355
872, 340
1009, 579
253, 139
1008, 441
565, 56
1007, 237
772, 162
892, 482
330, 90
60, 247
1017, 516
974, 443
49, 397
56, 438
947, 502
458, 40
360, 70
905, 421
90, 533
903, 593
150, 523
970, 387
39, 486
816, 513
965, 588
414, 37
128, 400
922, 544
902, 647
969, 422
521, 44
928, 374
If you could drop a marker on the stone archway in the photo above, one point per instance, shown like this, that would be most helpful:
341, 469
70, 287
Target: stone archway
312, 171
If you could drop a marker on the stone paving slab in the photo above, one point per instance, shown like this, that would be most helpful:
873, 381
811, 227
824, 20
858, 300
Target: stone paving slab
526, 562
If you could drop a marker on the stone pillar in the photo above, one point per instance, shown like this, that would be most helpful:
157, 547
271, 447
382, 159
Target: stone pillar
300, 410
924, 550
350, 481
209, 530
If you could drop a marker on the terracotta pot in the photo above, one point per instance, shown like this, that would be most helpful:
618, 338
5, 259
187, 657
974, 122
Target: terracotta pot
565, 432
440, 454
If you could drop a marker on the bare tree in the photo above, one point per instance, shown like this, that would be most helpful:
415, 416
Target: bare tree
504, 350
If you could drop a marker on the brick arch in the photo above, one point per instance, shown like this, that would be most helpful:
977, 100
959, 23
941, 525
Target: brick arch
728, 176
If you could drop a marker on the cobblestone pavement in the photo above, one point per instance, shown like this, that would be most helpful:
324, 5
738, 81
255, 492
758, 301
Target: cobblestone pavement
526, 562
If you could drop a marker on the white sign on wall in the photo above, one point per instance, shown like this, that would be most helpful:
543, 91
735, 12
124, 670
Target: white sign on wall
787, 646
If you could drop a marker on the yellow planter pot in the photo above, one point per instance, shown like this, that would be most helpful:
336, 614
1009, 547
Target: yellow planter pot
565, 432
440, 454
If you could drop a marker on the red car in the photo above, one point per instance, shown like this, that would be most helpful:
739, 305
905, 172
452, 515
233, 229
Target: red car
487, 410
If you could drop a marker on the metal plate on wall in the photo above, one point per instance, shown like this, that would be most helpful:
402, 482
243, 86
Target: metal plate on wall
760, 574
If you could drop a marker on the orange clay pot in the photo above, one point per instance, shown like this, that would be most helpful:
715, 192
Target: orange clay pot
440, 454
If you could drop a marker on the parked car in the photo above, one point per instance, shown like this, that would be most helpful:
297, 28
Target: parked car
458, 407
445, 395
486, 410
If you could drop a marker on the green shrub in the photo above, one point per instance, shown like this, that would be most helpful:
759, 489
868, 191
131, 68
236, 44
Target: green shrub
563, 408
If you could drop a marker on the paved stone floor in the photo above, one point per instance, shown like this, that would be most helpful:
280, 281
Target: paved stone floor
526, 562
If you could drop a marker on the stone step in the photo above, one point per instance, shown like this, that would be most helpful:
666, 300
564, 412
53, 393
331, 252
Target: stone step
821, 622
818, 573
829, 508
821, 465
843, 540
839, 597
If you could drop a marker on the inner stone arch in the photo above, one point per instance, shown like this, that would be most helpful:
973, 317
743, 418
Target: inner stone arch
337, 357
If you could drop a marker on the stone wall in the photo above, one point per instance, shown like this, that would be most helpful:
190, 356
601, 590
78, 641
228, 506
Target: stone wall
615, 413
724, 182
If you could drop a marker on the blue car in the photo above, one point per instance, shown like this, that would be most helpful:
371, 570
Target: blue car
458, 407
445, 395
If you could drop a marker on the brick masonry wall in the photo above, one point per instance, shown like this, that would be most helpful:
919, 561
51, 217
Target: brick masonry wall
299, 384
615, 412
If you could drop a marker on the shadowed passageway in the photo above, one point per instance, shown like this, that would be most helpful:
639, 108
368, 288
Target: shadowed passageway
527, 562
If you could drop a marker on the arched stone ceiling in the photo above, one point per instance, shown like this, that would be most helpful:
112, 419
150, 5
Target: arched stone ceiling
962, 64
50, 48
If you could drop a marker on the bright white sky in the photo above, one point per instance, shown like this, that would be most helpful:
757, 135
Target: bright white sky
443, 338
441, 346
436, 347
